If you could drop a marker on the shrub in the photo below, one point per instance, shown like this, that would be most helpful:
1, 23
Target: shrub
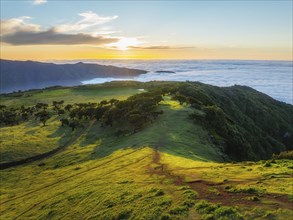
284, 155
267, 164
160, 192
214, 211
269, 215
165, 217
225, 212
179, 210
190, 194
249, 190
189, 203
214, 191
125, 214
204, 207
41, 164
157, 192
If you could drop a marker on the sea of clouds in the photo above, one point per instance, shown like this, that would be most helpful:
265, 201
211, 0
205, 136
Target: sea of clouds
274, 78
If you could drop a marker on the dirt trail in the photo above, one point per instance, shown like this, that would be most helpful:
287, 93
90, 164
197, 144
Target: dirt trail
162, 169
47, 154
217, 192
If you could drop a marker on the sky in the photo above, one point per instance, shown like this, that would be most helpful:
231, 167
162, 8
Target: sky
66, 30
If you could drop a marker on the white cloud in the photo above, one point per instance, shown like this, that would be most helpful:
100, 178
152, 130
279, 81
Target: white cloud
89, 30
51, 37
17, 24
38, 2
89, 21
20, 31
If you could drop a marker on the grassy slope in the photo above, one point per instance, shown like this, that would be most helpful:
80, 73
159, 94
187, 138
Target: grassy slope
163, 185
173, 131
69, 95
30, 138
161, 171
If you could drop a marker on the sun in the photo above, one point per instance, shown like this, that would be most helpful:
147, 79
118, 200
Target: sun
125, 43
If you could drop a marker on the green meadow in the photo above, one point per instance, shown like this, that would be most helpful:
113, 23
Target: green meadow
168, 169
70, 95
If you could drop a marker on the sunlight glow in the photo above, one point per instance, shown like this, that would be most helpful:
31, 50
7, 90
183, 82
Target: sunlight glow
124, 43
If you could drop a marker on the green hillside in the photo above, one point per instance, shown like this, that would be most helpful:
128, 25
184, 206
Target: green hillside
157, 150
28, 139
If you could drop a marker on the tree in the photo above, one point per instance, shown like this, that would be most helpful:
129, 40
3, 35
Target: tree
24, 116
41, 106
136, 121
68, 107
73, 125
44, 117
64, 121
99, 113
58, 104
158, 99
103, 102
90, 112
73, 113
180, 98
113, 101
61, 112
10, 117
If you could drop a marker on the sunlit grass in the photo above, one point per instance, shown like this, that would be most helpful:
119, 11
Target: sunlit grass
102, 176
31, 138
121, 184
69, 95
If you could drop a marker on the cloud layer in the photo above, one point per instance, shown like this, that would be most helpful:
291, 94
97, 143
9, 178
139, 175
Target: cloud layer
90, 29
20, 31
51, 37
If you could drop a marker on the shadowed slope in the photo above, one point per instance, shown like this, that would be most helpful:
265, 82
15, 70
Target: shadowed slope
173, 132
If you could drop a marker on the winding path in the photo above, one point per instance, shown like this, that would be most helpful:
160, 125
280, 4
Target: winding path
203, 187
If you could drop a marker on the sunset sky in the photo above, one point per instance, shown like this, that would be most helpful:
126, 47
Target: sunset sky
65, 30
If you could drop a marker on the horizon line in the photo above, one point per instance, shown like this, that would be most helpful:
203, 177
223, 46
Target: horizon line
132, 59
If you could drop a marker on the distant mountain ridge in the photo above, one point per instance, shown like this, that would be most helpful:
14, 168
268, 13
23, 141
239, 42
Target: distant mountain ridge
23, 75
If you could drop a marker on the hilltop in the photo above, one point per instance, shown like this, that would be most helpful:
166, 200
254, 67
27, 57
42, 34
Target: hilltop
239, 122
156, 150
24, 75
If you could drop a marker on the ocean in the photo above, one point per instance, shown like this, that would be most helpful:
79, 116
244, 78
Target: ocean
274, 78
